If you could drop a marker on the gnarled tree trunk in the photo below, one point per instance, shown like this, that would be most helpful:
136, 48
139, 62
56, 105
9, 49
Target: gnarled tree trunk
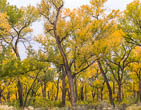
107, 83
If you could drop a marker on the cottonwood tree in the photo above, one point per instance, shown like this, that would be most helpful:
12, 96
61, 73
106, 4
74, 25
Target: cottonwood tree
131, 23
135, 70
118, 63
76, 30
20, 21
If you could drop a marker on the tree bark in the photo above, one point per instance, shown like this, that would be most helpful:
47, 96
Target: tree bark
76, 93
97, 94
85, 93
43, 86
122, 94
107, 83
44, 90
63, 86
68, 71
119, 92
63, 92
102, 91
8, 96
0, 97
20, 92
31, 88
113, 87
93, 94
48, 95
65, 60
56, 98
133, 89
140, 90
82, 93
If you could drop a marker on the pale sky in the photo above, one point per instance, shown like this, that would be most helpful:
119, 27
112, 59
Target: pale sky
111, 4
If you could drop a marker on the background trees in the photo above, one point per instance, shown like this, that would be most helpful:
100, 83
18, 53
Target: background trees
84, 54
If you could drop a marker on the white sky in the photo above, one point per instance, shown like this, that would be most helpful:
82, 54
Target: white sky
111, 4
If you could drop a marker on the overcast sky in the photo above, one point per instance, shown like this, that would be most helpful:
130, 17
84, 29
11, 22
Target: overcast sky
111, 4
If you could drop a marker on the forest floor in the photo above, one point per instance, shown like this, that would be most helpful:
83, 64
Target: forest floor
79, 107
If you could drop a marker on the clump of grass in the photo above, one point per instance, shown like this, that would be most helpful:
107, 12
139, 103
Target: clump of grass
134, 107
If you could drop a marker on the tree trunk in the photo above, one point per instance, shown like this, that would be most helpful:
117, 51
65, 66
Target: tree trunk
122, 94
19, 85
140, 90
16, 95
102, 93
134, 90
93, 94
56, 98
75, 83
63, 87
44, 90
1, 94
8, 96
113, 87
25, 91
43, 86
68, 71
31, 88
20, 92
76, 93
107, 83
81, 93
119, 93
97, 94
85, 93
48, 95
71, 85
69, 96
63, 93
0, 97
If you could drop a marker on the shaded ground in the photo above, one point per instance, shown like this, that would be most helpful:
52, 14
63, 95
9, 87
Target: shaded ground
79, 107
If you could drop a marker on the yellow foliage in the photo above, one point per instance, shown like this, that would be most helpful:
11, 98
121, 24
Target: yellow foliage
4, 25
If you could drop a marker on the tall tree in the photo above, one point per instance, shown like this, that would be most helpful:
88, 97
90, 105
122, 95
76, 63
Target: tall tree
20, 21
131, 23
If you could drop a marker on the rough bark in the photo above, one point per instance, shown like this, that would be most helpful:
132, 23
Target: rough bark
107, 83
69, 74
65, 60
20, 92
63, 86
